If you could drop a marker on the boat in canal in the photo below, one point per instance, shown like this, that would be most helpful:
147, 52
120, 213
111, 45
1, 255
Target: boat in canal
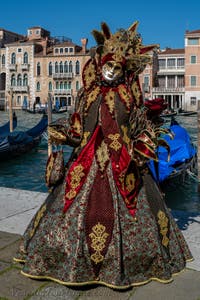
5, 129
17, 143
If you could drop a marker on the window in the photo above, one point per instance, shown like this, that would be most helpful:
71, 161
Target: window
13, 80
50, 86
161, 81
70, 67
193, 59
50, 68
180, 62
180, 81
37, 32
38, 86
71, 50
171, 63
25, 58
57, 85
56, 50
25, 80
171, 81
193, 41
19, 80
146, 84
77, 85
193, 80
3, 60
77, 68
69, 101
193, 101
13, 59
61, 67
18, 100
19, 50
61, 50
66, 50
38, 69
66, 67
56, 67
162, 63
61, 85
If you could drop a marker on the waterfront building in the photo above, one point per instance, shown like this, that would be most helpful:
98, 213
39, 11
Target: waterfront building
37, 66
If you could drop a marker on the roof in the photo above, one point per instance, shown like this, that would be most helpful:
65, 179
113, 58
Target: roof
173, 51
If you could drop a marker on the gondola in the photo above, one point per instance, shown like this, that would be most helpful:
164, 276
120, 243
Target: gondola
5, 129
182, 157
19, 142
187, 113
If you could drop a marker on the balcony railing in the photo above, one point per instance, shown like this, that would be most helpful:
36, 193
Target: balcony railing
168, 90
62, 92
62, 75
12, 67
24, 67
19, 88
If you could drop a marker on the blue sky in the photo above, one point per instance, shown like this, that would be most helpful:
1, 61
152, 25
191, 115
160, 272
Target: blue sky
160, 22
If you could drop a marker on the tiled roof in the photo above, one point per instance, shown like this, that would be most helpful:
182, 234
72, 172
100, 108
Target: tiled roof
173, 51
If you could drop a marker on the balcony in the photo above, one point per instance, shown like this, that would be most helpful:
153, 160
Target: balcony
63, 92
12, 67
19, 88
24, 67
168, 90
62, 75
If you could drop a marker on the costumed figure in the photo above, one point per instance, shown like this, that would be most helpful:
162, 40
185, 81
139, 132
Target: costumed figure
106, 222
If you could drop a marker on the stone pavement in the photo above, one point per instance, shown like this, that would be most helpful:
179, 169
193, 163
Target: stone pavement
16, 209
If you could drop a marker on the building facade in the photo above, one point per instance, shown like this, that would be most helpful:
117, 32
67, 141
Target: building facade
38, 66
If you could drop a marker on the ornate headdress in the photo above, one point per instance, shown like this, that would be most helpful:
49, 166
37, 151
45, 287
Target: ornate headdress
124, 46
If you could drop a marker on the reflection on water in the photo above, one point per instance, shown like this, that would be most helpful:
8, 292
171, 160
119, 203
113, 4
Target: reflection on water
27, 171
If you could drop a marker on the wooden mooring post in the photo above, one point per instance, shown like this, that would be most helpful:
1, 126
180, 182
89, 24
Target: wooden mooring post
198, 144
49, 113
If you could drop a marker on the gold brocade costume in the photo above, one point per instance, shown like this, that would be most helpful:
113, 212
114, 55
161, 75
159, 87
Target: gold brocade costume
107, 222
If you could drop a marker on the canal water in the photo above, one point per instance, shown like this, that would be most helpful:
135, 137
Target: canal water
27, 172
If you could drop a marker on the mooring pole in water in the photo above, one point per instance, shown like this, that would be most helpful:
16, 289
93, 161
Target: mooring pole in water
198, 144
10, 101
49, 113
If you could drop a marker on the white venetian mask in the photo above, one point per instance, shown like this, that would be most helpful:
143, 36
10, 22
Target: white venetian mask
112, 71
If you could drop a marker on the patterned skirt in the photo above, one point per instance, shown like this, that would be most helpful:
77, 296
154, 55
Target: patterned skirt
97, 241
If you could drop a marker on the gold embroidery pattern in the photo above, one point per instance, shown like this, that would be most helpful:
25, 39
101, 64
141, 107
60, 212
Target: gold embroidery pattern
98, 237
125, 95
115, 143
76, 176
136, 92
110, 100
102, 155
126, 139
37, 219
163, 222
130, 182
89, 74
91, 97
77, 126
85, 137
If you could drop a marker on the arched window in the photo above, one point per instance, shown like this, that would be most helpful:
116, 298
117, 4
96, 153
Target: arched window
3, 60
50, 86
56, 67
69, 101
50, 69
13, 58
70, 67
25, 58
13, 81
65, 85
57, 85
77, 68
69, 85
19, 79
66, 67
25, 80
77, 85
38, 86
61, 85
61, 67
38, 69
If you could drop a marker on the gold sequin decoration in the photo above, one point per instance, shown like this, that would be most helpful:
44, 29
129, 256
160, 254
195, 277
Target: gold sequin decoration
110, 100
91, 97
102, 155
89, 74
130, 182
76, 176
115, 143
163, 222
85, 137
77, 126
125, 137
38, 217
136, 92
98, 237
125, 95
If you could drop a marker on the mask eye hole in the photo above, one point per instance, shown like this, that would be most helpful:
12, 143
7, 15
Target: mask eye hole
109, 64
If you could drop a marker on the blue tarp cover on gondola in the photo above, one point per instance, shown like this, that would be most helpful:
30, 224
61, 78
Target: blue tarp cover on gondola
181, 150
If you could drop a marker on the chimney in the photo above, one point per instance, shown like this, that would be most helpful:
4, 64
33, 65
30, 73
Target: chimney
84, 44
44, 46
